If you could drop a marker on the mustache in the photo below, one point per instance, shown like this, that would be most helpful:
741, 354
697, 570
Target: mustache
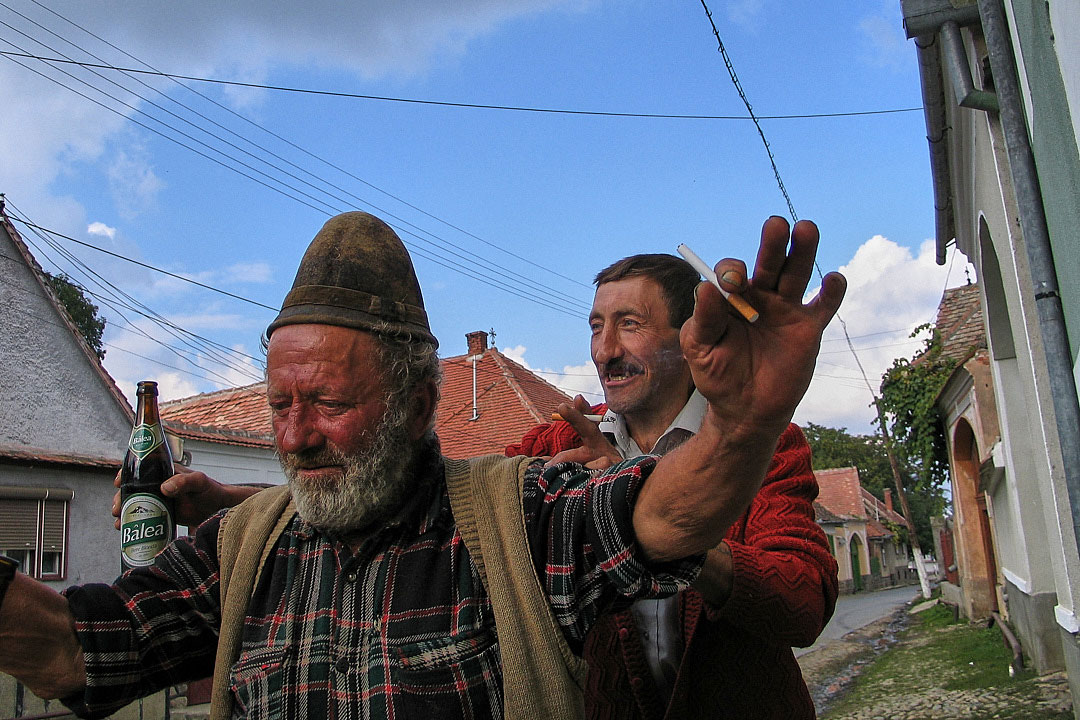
619, 366
313, 458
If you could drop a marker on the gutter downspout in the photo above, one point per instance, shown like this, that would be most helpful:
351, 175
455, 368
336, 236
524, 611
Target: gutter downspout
934, 111
1037, 243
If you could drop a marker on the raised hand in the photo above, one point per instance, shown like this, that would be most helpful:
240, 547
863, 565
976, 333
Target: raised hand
755, 374
595, 453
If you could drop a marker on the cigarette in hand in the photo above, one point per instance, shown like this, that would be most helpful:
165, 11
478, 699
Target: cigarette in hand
555, 417
737, 301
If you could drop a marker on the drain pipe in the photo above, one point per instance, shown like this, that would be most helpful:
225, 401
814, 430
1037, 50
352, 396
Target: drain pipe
1037, 242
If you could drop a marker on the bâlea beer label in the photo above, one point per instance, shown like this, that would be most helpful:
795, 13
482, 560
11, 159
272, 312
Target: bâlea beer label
145, 529
144, 439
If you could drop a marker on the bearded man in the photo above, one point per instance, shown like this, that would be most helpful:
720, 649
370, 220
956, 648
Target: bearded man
387, 581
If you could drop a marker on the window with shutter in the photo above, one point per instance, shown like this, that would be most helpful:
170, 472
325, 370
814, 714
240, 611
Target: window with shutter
34, 529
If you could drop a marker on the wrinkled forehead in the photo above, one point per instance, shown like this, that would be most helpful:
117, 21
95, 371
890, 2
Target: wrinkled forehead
332, 347
636, 295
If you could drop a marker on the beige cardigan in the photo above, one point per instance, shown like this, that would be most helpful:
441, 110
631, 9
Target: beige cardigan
542, 678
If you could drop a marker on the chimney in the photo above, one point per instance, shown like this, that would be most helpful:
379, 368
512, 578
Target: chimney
477, 342
888, 499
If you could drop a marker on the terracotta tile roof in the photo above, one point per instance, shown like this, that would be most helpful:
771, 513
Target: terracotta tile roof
842, 495
960, 322
235, 416
875, 530
823, 517
840, 492
509, 401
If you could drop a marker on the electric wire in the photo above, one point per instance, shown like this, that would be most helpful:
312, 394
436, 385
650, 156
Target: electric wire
479, 106
293, 145
274, 167
783, 190
326, 208
118, 300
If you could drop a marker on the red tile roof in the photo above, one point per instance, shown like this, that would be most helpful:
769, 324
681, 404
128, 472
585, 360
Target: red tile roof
23, 455
960, 322
823, 517
235, 416
876, 509
509, 401
839, 491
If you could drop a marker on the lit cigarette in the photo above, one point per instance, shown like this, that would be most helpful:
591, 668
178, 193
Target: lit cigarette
737, 301
555, 417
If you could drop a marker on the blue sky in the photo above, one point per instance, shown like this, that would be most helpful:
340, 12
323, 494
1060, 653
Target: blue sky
535, 203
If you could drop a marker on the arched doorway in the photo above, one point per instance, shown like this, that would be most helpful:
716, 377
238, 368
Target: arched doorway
975, 545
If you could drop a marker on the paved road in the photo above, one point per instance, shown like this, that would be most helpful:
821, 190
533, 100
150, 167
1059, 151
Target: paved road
861, 609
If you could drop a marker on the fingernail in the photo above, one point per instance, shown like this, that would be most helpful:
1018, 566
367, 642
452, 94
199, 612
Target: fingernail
733, 278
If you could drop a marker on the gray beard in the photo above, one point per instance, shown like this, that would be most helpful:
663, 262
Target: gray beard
373, 485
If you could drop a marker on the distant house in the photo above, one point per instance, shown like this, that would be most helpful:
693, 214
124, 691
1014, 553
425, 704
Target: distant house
488, 401
226, 434
862, 532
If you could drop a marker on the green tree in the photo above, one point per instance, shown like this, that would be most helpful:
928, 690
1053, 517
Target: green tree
83, 313
908, 405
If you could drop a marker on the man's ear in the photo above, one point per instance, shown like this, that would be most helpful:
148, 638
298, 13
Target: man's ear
422, 417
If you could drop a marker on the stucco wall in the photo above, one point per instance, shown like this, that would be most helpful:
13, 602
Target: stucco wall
52, 397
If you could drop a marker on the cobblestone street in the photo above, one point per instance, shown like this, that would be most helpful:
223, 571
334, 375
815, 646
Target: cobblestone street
830, 670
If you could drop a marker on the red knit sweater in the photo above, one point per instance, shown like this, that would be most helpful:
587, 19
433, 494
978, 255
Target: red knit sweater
737, 659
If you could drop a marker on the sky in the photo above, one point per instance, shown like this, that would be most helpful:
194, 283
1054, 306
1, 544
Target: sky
509, 213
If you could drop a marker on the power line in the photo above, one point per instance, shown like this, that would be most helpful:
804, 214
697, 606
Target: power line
114, 298
234, 296
282, 139
477, 106
480, 275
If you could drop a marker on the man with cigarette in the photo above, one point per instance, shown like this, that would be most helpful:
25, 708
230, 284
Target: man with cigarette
722, 649
387, 581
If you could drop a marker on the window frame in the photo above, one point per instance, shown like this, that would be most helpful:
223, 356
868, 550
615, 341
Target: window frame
46, 503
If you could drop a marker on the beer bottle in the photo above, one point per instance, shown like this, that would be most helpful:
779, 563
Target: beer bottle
147, 518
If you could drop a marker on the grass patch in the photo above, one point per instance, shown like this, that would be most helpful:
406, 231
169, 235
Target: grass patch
938, 659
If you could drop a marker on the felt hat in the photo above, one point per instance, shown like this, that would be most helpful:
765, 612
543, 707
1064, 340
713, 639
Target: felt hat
357, 273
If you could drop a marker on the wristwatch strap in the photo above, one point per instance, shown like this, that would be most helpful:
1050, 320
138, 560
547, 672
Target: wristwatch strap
8, 566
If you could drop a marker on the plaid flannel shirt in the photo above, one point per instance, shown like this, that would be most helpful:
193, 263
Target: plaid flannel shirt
402, 628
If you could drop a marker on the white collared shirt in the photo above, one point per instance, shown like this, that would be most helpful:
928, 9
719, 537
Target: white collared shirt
689, 419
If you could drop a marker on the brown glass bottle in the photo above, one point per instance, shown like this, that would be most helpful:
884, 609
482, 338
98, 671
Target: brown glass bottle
147, 518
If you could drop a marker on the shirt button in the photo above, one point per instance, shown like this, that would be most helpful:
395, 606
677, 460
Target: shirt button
351, 577
342, 665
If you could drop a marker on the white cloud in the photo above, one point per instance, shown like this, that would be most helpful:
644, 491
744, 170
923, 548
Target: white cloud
57, 128
256, 272
747, 13
891, 291
101, 229
884, 37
